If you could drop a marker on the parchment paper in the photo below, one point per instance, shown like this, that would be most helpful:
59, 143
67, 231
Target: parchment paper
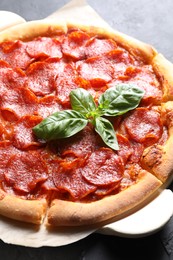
14, 232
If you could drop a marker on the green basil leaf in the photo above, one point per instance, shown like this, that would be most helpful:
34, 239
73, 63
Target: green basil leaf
61, 124
82, 101
120, 99
105, 129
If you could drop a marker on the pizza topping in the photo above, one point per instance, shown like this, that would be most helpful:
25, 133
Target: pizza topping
130, 175
47, 105
103, 167
146, 80
65, 85
67, 177
96, 68
125, 149
15, 54
41, 77
74, 45
44, 47
79, 145
6, 150
11, 78
25, 170
144, 126
15, 103
23, 137
98, 47
115, 101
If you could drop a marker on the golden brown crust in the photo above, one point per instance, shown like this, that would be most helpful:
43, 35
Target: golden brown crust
32, 211
63, 213
158, 158
32, 29
163, 68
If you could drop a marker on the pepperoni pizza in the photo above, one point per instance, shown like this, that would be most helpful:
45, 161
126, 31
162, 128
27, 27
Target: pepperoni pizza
80, 180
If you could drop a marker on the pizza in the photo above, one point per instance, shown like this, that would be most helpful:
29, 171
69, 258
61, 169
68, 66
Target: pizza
86, 124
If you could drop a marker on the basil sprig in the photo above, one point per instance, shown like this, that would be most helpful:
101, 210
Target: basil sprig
115, 101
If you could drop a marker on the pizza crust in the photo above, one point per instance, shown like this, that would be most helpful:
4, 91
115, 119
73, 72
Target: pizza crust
32, 211
30, 30
63, 213
158, 158
164, 70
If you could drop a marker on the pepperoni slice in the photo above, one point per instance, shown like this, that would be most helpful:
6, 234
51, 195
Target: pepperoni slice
6, 130
6, 151
65, 84
48, 105
11, 78
130, 175
72, 182
106, 190
79, 145
103, 167
98, 47
125, 149
137, 151
23, 137
15, 103
74, 45
41, 77
144, 126
15, 54
4, 64
96, 68
145, 79
25, 170
44, 47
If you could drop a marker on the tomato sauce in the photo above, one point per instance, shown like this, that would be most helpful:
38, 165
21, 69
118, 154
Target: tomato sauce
36, 78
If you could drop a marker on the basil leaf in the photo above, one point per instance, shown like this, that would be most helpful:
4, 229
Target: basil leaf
82, 101
61, 124
105, 129
120, 99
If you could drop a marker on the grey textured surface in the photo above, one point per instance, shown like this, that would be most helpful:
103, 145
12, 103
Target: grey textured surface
150, 21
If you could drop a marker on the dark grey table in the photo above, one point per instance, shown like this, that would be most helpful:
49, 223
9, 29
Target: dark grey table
150, 21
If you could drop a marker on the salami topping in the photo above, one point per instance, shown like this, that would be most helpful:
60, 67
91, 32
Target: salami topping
146, 80
144, 126
125, 149
79, 145
41, 77
103, 167
16, 103
44, 47
48, 105
64, 85
6, 151
98, 47
6, 130
23, 137
74, 45
25, 171
11, 78
15, 54
96, 68
72, 181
